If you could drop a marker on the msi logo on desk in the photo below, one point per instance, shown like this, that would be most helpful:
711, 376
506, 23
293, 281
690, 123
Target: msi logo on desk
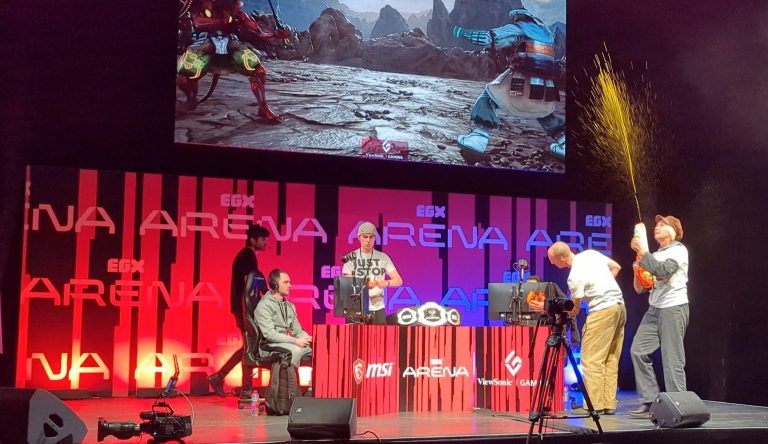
358, 370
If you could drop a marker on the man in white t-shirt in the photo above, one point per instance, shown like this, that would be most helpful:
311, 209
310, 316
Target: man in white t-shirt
666, 320
593, 278
376, 268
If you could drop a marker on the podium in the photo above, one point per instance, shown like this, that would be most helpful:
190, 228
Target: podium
391, 369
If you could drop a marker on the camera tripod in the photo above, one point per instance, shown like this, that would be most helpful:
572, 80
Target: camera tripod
543, 395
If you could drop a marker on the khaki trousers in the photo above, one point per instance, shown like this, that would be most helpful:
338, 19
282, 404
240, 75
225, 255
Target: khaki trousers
601, 346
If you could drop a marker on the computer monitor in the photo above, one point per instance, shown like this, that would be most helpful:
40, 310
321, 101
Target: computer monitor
347, 295
509, 301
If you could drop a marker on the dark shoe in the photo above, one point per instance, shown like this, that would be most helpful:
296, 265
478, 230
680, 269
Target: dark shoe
247, 394
217, 384
642, 410
609, 411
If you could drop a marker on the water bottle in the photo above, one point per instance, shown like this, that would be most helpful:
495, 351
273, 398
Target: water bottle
254, 402
641, 234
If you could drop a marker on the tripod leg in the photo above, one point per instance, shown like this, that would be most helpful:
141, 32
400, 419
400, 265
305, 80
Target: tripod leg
537, 408
543, 393
587, 400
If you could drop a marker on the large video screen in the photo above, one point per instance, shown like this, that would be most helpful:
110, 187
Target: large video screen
470, 82
122, 270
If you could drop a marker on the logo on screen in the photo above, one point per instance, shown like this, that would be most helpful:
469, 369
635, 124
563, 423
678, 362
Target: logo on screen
117, 265
596, 220
513, 363
237, 200
436, 211
387, 149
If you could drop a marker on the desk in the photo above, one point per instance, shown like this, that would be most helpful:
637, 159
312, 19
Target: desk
429, 369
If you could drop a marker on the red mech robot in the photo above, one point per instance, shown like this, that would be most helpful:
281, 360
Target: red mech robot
215, 27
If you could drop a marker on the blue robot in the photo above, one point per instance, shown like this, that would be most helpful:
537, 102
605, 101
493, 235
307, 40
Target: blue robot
526, 89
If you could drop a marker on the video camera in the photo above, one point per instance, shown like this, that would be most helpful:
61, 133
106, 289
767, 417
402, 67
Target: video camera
160, 422
557, 305
161, 425
511, 303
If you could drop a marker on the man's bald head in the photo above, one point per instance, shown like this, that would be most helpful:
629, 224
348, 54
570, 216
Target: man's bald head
559, 249
560, 254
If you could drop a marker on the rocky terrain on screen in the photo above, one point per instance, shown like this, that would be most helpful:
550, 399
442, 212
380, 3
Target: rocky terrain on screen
331, 108
334, 89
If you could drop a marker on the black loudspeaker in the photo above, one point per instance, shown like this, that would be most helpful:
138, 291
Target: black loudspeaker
316, 418
36, 416
678, 409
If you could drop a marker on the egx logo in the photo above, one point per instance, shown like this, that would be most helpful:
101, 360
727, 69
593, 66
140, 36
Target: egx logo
237, 200
116, 265
513, 363
436, 211
598, 221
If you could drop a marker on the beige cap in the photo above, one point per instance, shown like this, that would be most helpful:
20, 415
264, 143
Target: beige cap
366, 228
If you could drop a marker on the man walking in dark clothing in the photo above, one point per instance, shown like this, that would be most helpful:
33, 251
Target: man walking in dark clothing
245, 262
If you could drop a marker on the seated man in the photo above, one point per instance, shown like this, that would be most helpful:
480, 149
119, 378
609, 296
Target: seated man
277, 321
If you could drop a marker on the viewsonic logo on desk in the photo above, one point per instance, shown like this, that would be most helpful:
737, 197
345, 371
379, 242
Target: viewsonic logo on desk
387, 149
513, 363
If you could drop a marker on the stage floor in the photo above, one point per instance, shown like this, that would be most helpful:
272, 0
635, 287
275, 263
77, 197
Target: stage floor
218, 420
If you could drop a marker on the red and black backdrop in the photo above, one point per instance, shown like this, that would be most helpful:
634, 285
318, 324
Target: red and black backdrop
122, 270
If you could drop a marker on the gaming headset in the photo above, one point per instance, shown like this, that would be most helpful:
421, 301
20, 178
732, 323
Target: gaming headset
274, 275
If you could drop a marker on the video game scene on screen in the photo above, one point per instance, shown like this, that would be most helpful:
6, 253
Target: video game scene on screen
445, 81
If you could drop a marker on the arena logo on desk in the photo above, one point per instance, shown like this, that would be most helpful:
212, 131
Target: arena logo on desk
436, 370
386, 149
361, 370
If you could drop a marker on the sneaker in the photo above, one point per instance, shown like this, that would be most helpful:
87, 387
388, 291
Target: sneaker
609, 411
476, 141
217, 384
642, 410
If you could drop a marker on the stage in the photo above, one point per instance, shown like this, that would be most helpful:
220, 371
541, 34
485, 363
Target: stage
218, 420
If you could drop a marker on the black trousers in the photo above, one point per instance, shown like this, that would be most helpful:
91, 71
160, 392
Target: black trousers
379, 317
237, 357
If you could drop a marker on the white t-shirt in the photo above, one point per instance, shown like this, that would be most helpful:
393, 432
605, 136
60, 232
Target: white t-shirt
373, 266
673, 290
591, 278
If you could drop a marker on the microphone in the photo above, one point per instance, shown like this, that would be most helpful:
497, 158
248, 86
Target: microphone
522, 263
174, 379
348, 257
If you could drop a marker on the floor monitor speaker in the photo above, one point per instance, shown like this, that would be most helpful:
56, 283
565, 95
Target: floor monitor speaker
678, 409
318, 418
36, 416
